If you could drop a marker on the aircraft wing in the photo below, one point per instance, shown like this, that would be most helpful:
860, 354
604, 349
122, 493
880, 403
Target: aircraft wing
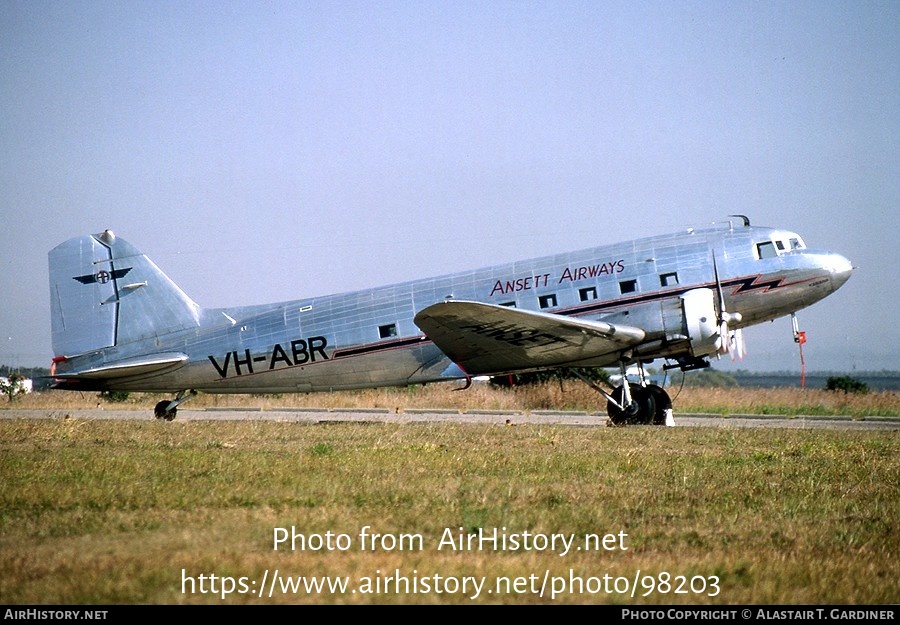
489, 339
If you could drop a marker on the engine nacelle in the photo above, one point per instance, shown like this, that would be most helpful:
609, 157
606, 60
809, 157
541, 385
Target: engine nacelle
701, 322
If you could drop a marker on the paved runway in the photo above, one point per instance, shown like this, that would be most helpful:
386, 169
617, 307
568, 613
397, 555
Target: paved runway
499, 417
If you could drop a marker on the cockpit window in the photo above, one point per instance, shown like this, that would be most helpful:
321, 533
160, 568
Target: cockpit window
766, 249
780, 243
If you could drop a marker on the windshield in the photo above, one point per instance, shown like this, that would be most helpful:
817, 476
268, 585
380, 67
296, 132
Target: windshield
780, 243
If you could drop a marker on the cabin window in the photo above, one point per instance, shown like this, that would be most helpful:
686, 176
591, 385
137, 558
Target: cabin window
668, 279
547, 301
627, 286
387, 331
509, 304
587, 294
766, 249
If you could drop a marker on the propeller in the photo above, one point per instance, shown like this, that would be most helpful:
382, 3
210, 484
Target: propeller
729, 340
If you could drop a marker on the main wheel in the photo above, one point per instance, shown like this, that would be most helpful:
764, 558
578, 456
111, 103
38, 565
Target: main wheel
663, 403
641, 410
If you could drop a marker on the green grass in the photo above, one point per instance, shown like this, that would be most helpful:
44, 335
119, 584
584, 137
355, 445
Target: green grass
108, 512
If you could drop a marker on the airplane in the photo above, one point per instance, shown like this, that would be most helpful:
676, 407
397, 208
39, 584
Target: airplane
120, 324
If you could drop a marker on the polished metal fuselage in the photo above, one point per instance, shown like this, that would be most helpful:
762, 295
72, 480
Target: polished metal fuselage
368, 338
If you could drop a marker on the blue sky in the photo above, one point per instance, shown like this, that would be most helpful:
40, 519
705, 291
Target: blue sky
262, 151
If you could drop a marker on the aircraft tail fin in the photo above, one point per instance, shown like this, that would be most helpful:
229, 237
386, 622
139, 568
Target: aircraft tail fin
105, 293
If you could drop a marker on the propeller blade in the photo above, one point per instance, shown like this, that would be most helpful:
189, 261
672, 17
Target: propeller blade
737, 344
725, 336
719, 289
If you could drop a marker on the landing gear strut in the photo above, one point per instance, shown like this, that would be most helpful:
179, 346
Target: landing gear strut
166, 410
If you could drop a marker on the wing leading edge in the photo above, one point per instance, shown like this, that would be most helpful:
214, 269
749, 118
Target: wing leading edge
490, 339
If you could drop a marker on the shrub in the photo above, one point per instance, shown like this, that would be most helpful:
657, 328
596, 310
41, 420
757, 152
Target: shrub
116, 397
13, 386
847, 384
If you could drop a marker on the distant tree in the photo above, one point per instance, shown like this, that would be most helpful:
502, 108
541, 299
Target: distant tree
710, 378
39, 376
595, 374
846, 384
12, 386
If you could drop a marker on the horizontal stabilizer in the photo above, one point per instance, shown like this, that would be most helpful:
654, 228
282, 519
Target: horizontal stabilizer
488, 339
139, 365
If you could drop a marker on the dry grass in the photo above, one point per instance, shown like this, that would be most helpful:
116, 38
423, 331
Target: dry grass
569, 395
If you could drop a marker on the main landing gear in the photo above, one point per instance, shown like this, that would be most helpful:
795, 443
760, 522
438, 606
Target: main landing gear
166, 410
649, 405
634, 403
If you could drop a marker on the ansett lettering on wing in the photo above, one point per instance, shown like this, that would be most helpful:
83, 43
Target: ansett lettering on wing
298, 352
513, 334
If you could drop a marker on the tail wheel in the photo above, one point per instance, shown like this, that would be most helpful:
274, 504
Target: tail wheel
642, 409
162, 411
